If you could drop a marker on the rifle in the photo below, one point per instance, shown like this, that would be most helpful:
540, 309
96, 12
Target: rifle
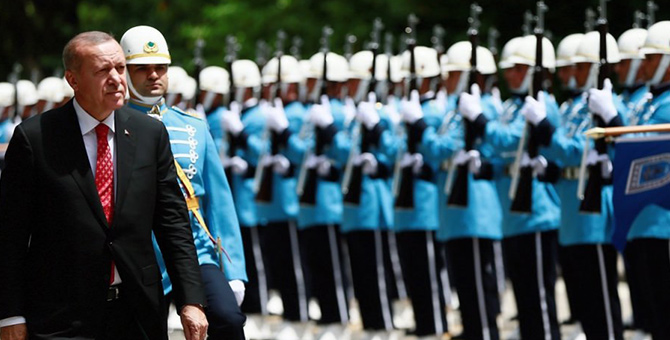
264, 174
638, 16
527, 23
353, 174
589, 22
229, 59
521, 188
403, 178
591, 195
459, 191
295, 47
307, 180
388, 85
199, 64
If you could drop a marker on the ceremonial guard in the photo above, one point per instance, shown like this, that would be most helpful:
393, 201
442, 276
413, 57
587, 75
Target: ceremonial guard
649, 235
50, 94
276, 195
213, 220
529, 235
416, 195
585, 237
468, 225
244, 124
635, 92
214, 83
367, 195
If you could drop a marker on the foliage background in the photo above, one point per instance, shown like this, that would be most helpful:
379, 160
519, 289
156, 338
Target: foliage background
33, 32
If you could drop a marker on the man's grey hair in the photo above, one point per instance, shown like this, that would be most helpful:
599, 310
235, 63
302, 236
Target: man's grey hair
71, 53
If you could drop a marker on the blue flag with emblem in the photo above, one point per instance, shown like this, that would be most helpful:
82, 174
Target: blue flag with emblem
641, 178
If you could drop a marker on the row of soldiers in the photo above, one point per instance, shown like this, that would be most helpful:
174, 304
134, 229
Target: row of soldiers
345, 173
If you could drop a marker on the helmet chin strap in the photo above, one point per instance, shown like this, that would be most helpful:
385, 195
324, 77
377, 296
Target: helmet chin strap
632, 71
462, 82
361, 90
525, 84
208, 100
660, 71
592, 78
142, 99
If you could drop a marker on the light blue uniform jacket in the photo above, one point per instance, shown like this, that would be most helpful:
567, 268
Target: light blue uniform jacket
194, 150
503, 135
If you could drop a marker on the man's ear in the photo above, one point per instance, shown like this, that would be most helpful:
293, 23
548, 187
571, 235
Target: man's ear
71, 79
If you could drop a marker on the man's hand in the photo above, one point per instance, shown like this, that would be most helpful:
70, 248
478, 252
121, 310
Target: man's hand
194, 321
14, 332
469, 104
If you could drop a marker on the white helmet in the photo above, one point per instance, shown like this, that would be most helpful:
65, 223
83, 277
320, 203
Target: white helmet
507, 52
187, 88
589, 49
630, 43
524, 53
658, 42
26, 93
145, 45
397, 72
305, 67
246, 74
459, 54
6, 94
337, 67
290, 70
67, 89
425, 62
214, 79
360, 66
567, 49
50, 89
175, 76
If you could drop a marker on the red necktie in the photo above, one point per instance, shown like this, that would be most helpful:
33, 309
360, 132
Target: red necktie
104, 177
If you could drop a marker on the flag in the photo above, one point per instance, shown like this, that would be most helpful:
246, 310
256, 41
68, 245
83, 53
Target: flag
641, 177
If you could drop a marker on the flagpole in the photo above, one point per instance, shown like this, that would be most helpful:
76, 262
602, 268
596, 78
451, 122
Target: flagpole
597, 133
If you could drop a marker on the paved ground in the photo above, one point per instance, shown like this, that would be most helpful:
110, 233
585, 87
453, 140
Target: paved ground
507, 326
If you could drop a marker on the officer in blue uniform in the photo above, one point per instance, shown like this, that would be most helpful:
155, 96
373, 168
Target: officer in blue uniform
367, 194
214, 83
635, 92
277, 199
469, 229
649, 236
585, 237
213, 220
529, 239
244, 124
416, 198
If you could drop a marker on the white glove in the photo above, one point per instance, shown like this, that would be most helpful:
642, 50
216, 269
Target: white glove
605, 163
276, 117
231, 122
601, 103
349, 110
392, 111
236, 164
281, 164
411, 109
497, 99
367, 162
539, 165
238, 289
323, 169
320, 115
534, 110
367, 113
414, 160
472, 158
470, 104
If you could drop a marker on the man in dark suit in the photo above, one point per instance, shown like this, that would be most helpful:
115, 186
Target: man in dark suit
83, 188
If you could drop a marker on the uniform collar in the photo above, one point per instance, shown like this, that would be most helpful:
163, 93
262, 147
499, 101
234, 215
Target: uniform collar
158, 109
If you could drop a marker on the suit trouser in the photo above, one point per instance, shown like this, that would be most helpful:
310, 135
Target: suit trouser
286, 269
474, 277
419, 256
324, 261
531, 266
596, 280
225, 318
640, 298
119, 323
366, 253
654, 268
256, 294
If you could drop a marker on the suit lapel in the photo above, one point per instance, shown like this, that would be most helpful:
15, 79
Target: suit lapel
125, 153
73, 146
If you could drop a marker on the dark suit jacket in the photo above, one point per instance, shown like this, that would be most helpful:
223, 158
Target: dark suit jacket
55, 244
